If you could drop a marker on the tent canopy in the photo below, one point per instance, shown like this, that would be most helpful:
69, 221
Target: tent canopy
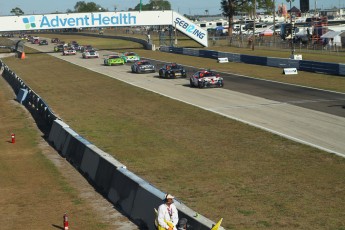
331, 34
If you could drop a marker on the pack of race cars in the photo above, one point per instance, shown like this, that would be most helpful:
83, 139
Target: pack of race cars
199, 79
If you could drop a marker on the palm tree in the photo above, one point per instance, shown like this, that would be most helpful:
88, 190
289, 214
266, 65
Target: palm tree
17, 11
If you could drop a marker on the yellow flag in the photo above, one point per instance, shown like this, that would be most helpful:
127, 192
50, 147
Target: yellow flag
216, 227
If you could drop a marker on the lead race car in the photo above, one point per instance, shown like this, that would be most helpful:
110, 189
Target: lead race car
172, 70
143, 66
206, 78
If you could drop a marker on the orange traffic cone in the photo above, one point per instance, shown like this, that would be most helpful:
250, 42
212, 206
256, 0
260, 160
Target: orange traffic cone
23, 55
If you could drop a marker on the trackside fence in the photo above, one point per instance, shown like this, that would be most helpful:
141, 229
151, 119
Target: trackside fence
129, 193
310, 66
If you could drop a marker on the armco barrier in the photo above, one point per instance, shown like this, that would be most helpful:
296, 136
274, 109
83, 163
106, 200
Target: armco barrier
342, 69
321, 67
310, 66
176, 50
231, 57
282, 62
191, 52
208, 54
256, 60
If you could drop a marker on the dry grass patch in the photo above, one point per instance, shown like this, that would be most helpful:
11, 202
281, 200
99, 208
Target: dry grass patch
34, 195
222, 168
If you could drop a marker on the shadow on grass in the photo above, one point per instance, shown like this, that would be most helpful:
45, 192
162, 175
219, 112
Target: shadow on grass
57, 226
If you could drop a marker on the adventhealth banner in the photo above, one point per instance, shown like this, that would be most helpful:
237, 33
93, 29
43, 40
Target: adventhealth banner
103, 19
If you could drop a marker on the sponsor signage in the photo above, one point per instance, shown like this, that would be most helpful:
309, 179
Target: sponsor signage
190, 29
290, 71
104, 19
223, 60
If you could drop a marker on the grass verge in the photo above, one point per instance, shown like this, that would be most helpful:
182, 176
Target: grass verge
34, 194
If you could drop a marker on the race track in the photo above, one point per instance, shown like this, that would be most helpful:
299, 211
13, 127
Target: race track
310, 116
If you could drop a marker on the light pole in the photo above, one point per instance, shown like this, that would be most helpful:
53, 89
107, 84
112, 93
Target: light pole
140, 6
292, 30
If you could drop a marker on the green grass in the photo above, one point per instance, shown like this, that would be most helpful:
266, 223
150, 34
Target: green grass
34, 194
251, 178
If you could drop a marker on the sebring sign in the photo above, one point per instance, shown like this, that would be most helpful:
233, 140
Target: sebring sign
104, 19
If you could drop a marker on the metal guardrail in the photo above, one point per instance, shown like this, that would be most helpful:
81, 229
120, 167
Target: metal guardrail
309, 66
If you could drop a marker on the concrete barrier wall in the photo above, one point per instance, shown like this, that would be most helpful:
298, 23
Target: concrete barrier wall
128, 192
123, 189
104, 174
147, 198
61, 139
90, 162
56, 130
195, 221
76, 149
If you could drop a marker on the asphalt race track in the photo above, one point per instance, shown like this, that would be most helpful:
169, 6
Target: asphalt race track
310, 116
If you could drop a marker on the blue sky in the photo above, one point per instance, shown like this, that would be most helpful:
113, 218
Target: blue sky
183, 6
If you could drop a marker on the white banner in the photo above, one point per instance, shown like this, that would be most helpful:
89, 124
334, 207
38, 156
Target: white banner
289, 71
103, 19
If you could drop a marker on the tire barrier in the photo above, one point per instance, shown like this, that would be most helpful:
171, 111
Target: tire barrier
309, 66
134, 196
144, 42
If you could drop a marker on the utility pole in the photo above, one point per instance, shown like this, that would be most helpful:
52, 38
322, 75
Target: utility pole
140, 6
274, 22
254, 25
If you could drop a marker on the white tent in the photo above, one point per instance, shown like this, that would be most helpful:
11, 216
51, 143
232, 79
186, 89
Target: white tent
335, 36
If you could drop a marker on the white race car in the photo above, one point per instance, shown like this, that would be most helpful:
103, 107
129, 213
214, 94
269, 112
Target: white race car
206, 78
90, 54
69, 51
